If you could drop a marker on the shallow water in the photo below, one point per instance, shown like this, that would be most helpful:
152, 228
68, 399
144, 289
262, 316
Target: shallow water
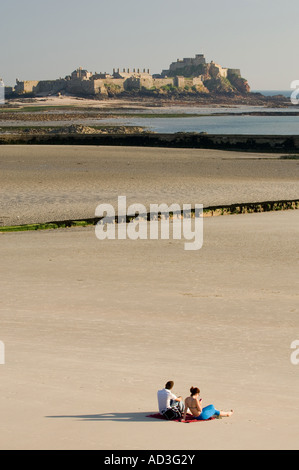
218, 123
271, 125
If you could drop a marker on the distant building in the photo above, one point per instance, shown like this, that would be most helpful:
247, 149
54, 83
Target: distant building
199, 59
81, 74
189, 73
28, 86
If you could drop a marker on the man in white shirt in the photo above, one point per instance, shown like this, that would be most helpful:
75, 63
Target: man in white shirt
167, 399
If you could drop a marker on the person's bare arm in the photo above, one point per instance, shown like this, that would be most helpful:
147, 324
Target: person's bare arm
199, 404
185, 410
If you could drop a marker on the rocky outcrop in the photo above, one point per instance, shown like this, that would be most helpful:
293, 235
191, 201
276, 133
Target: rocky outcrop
219, 85
239, 83
75, 129
79, 129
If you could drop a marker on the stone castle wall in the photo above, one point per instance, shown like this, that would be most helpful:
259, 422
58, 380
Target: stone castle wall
50, 86
234, 72
27, 86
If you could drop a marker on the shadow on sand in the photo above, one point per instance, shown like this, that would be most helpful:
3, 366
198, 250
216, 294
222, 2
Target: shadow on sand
120, 417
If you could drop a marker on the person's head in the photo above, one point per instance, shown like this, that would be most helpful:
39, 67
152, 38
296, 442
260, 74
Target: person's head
194, 391
169, 385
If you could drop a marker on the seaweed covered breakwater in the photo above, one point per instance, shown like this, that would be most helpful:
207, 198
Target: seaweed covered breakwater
250, 143
212, 211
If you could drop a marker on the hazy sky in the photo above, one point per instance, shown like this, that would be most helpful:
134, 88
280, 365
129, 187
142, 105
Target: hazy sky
47, 40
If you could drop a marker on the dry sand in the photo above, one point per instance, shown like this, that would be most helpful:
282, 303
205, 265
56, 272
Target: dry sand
93, 329
81, 102
43, 184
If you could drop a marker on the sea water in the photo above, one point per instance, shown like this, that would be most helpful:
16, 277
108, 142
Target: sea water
220, 122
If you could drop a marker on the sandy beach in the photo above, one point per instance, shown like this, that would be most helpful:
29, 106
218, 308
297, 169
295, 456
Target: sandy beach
75, 101
149, 228
47, 183
92, 329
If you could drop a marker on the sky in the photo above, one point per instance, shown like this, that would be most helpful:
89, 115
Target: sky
47, 40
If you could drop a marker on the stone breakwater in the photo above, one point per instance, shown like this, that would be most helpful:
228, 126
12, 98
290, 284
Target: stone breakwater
252, 143
232, 209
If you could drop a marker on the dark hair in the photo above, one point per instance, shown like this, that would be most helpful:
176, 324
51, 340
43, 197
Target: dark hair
169, 385
194, 391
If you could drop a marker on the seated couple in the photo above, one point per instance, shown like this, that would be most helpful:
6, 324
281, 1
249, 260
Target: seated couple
173, 407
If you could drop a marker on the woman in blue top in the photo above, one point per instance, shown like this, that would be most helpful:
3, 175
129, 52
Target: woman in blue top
194, 404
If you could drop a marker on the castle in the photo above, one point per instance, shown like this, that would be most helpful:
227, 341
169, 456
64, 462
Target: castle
193, 74
180, 65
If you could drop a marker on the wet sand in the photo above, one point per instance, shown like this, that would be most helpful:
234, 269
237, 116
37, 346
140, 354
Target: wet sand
48, 183
92, 329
